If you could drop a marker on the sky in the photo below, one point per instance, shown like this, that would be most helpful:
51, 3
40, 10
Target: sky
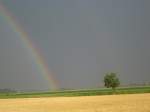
80, 40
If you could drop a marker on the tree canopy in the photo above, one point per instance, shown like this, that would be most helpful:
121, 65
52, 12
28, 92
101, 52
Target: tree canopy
111, 80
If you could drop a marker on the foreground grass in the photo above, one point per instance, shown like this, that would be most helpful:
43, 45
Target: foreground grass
67, 93
106, 103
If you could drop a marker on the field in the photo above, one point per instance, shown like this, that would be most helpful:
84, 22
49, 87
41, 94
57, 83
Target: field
69, 93
106, 103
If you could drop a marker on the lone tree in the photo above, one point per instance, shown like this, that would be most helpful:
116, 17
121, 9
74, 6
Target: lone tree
111, 80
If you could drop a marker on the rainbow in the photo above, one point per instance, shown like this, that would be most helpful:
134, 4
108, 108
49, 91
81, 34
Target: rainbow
24, 37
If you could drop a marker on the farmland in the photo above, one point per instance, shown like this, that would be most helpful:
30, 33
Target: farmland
70, 93
106, 103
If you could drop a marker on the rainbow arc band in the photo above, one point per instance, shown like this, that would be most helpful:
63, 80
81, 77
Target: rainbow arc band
24, 38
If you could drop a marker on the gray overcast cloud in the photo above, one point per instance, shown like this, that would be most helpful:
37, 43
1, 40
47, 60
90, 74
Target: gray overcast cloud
81, 40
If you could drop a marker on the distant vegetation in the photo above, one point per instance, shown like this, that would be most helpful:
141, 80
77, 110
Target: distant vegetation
68, 93
7, 91
111, 80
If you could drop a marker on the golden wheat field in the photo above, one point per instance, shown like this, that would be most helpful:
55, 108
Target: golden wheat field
112, 103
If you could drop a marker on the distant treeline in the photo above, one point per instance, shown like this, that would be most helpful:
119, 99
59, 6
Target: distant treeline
7, 91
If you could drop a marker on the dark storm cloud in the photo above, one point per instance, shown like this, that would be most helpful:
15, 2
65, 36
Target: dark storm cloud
81, 40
